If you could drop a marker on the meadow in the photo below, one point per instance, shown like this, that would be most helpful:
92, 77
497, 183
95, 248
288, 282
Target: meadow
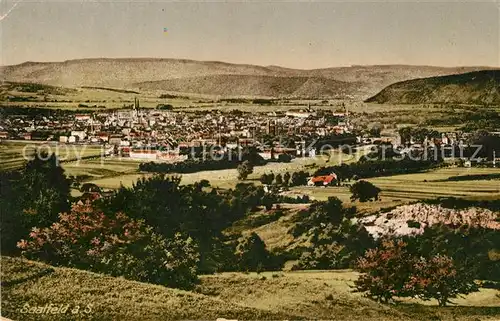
265, 296
401, 189
225, 178
112, 172
14, 154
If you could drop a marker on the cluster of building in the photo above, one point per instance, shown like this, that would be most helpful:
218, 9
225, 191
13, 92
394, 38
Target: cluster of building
152, 134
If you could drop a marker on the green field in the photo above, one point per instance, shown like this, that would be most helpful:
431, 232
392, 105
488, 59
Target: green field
111, 172
14, 154
225, 178
266, 296
399, 189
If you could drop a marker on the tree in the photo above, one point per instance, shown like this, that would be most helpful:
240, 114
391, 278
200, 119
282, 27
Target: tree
193, 210
323, 213
294, 179
279, 180
32, 197
284, 158
489, 143
405, 134
267, 179
336, 241
396, 269
251, 154
439, 278
386, 271
286, 179
364, 191
252, 254
45, 189
90, 188
299, 178
375, 130
244, 169
164, 106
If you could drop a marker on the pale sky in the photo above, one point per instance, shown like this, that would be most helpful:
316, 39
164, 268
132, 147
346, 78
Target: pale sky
290, 34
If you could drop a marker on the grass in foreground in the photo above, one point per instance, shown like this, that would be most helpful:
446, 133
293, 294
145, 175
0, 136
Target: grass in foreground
107, 298
269, 295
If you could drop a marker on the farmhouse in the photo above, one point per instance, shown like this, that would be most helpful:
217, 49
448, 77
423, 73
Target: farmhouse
322, 180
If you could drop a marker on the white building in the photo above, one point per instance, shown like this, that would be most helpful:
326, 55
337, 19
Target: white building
144, 154
79, 133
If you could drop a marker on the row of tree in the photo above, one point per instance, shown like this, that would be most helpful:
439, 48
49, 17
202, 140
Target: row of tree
377, 168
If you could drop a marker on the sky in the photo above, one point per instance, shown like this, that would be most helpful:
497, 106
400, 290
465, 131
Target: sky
291, 34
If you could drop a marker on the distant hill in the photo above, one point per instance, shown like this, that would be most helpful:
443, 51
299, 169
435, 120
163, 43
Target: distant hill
479, 87
253, 85
198, 77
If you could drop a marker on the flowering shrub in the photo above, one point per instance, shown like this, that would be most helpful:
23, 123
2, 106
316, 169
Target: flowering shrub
116, 245
386, 270
392, 270
438, 278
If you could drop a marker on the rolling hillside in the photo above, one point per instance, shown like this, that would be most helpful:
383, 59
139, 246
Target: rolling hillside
480, 87
298, 295
230, 79
253, 85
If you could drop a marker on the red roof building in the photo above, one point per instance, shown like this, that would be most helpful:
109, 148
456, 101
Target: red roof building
322, 180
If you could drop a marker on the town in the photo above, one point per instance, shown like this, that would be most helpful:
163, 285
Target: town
173, 136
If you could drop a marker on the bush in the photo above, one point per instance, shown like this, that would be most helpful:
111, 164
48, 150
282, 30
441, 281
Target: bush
413, 224
375, 168
155, 259
335, 241
252, 255
88, 239
324, 256
335, 246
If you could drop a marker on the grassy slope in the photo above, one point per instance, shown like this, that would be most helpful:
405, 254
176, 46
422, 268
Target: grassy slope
280, 295
110, 298
480, 87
